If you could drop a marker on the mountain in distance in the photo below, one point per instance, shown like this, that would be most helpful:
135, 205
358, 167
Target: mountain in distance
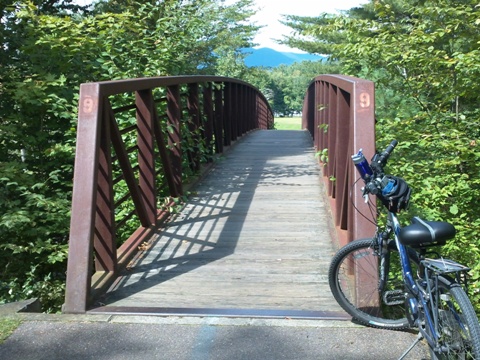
267, 57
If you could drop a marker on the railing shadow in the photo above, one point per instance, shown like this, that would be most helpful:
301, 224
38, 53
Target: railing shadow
210, 225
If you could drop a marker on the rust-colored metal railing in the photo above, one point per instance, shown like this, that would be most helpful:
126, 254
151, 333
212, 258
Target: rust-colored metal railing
136, 142
338, 111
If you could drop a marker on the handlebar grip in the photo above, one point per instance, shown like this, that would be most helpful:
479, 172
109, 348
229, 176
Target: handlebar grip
382, 158
390, 148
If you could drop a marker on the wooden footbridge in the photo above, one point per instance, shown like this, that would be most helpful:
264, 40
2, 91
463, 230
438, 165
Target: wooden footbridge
259, 226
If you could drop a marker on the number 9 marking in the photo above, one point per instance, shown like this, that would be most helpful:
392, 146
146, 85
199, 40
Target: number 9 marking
364, 100
88, 105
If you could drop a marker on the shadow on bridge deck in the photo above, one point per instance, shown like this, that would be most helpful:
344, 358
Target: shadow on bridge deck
255, 239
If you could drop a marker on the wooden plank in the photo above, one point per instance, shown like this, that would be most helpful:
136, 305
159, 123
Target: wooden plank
256, 234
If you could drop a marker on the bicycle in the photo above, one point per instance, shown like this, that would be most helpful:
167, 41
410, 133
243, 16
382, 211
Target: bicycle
389, 282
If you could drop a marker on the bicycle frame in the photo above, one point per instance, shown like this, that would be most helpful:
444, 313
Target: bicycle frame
420, 295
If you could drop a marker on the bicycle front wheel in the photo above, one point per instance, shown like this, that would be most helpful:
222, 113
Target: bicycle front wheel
353, 279
458, 328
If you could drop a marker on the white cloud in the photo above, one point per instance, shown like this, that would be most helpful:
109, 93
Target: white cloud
271, 12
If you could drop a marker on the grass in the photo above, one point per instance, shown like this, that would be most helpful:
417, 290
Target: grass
7, 327
289, 123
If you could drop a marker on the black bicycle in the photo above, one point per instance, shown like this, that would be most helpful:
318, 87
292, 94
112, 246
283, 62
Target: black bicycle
396, 281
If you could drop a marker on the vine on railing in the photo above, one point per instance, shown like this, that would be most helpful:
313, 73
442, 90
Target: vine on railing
138, 142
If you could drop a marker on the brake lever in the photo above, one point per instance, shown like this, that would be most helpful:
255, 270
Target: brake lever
365, 194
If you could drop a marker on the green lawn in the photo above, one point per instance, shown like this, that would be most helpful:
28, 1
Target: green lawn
7, 326
289, 123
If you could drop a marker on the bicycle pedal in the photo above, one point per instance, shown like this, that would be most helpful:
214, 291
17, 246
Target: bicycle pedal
394, 297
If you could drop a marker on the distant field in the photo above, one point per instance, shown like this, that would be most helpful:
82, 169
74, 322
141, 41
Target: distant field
289, 123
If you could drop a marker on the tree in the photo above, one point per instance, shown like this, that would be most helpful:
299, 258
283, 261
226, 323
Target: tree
285, 85
211, 32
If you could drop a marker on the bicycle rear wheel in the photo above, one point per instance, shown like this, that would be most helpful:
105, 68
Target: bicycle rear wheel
353, 279
458, 327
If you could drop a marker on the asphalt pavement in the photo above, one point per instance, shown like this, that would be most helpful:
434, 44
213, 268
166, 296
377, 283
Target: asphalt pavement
119, 337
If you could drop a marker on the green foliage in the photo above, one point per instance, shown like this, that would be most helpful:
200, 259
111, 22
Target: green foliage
285, 86
34, 224
7, 327
323, 156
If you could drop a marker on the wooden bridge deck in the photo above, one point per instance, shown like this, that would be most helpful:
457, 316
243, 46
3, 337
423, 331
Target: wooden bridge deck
256, 235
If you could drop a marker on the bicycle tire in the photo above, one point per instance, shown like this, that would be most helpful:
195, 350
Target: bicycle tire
458, 323
375, 312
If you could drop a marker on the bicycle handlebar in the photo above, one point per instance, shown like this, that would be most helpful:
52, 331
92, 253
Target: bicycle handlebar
373, 174
381, 159
393, 191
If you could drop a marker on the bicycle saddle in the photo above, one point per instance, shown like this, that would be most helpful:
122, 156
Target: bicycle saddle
422, 233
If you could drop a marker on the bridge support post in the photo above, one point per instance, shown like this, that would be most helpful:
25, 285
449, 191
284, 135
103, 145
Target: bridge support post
82, 224
219, 129
104, 237
174, 138
208, 111
194, 125
146, 154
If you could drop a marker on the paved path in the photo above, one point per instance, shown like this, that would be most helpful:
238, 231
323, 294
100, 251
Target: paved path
150, 338
256, 235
